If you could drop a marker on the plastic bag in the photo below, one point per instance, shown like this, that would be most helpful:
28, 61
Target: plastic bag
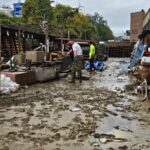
6, 85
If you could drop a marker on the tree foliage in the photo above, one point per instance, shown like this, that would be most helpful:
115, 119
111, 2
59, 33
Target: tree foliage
68, 19
103, 30
82, 27
4, 19
34, 11
62, 19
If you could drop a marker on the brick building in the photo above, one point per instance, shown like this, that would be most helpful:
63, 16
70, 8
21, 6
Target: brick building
136, 25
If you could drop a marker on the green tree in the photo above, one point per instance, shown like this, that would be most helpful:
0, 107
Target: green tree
82, 27
4, 19
34, 11
70, 19
104, 31
62, 19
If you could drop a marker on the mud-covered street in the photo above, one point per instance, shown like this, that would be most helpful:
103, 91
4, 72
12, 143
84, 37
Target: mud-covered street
101, 113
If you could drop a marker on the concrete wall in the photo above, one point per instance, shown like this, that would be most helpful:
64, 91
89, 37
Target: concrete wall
136, 25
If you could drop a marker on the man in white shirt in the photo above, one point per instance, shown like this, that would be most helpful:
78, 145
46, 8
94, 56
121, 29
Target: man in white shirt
77, 64
76, 49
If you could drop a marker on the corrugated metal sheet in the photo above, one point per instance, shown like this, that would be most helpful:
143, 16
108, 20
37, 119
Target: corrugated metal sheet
119, 49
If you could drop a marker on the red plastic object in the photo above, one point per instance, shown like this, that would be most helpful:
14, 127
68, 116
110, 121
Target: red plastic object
146, 53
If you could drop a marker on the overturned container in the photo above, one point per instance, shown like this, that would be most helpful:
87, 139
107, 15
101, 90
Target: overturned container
45, 73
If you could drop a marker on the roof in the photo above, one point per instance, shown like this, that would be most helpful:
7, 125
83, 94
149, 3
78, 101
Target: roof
76, 40
138, 12
26, 29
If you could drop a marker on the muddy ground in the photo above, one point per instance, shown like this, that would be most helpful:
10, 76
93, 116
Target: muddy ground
101, 113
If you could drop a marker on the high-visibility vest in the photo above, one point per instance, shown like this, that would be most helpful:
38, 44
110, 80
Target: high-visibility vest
92, 51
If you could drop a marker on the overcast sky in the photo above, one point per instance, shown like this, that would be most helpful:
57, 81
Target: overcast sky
116, 12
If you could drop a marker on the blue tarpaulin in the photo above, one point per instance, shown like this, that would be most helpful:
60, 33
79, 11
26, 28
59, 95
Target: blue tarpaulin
138, 54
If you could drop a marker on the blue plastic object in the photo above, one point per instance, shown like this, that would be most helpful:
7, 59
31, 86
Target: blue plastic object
87, 65
98, 65
138, 53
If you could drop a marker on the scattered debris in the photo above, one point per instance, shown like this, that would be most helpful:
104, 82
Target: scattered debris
75, 109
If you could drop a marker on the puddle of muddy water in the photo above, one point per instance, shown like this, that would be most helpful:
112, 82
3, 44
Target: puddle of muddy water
114, 78
122, 125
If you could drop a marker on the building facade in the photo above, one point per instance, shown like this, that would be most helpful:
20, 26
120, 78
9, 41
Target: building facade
136, 25
146, 21
6, 10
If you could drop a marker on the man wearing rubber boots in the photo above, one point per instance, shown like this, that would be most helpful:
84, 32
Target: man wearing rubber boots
77, 64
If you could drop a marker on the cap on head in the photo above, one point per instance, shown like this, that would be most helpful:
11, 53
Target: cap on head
71, 42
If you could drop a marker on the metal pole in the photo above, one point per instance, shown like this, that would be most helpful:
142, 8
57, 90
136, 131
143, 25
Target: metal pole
0, 43
85, 34
44, 26
46, 40
19, 40
62, 41
62, 35
68, 35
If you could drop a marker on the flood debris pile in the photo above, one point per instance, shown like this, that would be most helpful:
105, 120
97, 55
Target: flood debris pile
25, 64
140, 63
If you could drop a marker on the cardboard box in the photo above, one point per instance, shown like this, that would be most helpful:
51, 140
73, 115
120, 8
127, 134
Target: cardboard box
20, 58
35, 56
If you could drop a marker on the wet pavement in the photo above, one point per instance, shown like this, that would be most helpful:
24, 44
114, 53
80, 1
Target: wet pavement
98, 114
